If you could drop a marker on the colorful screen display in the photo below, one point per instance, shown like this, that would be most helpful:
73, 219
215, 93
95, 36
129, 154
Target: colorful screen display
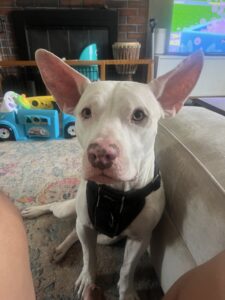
198, 24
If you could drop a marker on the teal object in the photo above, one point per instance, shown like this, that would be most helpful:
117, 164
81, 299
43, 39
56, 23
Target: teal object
37, 124
89, 53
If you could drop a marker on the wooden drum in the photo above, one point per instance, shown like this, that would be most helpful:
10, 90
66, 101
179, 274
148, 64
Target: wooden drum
126, 50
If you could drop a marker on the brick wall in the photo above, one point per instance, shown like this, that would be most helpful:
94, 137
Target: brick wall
132, 21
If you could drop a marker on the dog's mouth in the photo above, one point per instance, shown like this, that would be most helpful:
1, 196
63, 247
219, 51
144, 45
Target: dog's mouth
103, 178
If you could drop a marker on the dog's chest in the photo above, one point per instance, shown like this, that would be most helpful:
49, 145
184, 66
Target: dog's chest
112, 211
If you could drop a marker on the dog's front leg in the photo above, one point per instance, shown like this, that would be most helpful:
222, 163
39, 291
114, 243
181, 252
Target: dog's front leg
88, 238
133, 251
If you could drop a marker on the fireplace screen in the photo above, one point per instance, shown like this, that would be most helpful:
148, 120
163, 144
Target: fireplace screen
66, 32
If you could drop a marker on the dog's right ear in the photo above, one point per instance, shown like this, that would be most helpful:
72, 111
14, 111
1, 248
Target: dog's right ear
63, 82
173, 88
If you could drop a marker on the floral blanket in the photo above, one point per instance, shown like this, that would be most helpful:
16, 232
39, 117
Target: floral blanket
37, 172
34, 173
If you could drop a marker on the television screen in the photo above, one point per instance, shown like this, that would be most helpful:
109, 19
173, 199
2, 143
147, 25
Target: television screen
197, 24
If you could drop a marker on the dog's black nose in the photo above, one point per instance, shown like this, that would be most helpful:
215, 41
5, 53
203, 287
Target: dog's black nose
102, 157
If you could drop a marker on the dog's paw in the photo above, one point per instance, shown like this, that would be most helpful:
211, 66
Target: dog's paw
83, 281
31, 212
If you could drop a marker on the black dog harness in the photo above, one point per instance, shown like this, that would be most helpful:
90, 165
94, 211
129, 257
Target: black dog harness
111, 210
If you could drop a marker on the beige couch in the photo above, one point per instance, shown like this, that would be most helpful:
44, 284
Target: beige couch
191, 153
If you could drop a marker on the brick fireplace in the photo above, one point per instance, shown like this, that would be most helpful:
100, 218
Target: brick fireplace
132, 19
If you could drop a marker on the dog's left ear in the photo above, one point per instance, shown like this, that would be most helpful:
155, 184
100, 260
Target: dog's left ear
63, 82
173, 88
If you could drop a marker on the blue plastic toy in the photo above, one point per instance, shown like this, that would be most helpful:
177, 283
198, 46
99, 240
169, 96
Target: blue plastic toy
24, 124
22, 120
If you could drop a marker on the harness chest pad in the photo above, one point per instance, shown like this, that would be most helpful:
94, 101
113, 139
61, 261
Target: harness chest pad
111, 211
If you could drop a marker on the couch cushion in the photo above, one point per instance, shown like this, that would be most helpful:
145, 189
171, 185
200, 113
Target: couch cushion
190, 149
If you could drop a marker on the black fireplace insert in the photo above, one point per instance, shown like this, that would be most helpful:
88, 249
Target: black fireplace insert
65, 32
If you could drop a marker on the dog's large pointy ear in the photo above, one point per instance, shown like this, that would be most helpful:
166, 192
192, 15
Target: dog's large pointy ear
173, 88
63, 82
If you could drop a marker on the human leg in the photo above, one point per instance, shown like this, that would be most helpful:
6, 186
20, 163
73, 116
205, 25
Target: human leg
206, 281
16, 279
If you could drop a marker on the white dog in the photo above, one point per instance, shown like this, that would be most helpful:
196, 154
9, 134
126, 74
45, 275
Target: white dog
120, 193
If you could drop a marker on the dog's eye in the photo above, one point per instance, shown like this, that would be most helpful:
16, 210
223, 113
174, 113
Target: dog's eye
138, 115
86, 113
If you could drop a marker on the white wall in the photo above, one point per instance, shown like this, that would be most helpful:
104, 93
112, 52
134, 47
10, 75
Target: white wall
212, 79
161, 10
